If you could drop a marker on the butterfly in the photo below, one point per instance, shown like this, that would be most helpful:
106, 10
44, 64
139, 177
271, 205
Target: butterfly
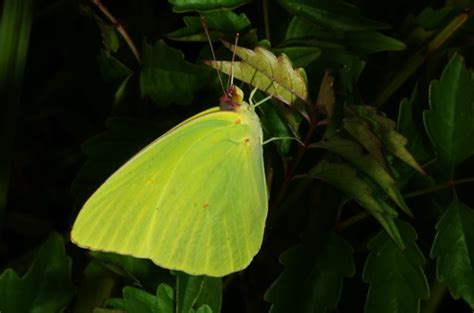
193, 200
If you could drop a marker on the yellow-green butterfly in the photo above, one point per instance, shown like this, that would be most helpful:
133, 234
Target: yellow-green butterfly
194, 200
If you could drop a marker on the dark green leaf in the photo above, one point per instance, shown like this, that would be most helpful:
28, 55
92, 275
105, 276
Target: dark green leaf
188, 289
451, 115
46, 286
139, 301
372, 42
356, 155
211, 294
167, 78
204, 5
410, 126
313, 275
454, 248
15, 27
334, 14
345, 178
111, 68
396, 277
218, 23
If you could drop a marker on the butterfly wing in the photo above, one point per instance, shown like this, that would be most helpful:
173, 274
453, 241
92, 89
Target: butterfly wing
194, 200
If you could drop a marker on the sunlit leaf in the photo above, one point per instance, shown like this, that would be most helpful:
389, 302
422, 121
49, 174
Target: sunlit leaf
262, 69
299, 56
396, 277
313, 275
454, 249
451, 115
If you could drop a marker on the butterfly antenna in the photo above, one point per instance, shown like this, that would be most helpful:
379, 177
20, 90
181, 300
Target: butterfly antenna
204, 25
230, 82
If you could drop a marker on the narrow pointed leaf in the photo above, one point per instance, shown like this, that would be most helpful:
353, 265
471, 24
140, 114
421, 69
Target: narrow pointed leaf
313, 276
454, 249
410, 125
188, 289
345, 178
361, 131
335, 14
450, 119
356, 155
392, 140
262, 69
326, 99
204, 5
396, 277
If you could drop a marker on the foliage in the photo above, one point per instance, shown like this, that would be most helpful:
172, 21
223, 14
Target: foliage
370, 178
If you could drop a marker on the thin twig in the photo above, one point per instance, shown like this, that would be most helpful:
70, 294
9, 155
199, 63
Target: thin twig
118, 26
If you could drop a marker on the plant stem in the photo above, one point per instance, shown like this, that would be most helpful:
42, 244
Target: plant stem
420, 56
448, 184
438, 290
118, 26
266, 19
352, 220
363, 215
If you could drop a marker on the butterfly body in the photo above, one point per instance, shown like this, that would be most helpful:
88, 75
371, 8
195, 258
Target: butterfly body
193, 200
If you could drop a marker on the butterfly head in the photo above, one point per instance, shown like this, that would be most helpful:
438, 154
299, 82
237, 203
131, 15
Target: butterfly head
232, 99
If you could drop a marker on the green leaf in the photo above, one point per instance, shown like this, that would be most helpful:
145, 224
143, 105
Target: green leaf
396, 277
211, 294
392, 140
299, 56
313, 275
326, 99
111, 68
218, 22
188, 289
372, 42
142, 272
454, 248
410, 126
46, 286
356, 155
332, 14
345, 178
139, 301
166, 77
204, 5
205, 309
360, 130
263, 70
451, 115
